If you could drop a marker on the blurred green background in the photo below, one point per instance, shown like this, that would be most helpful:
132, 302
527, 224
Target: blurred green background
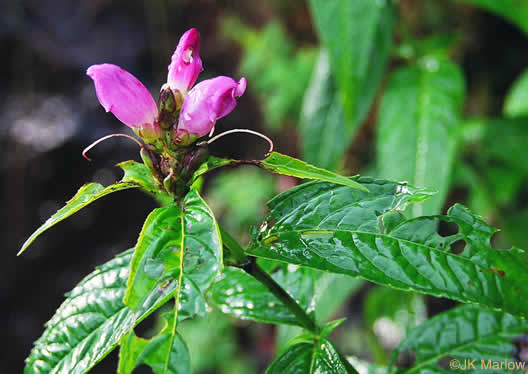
50, 113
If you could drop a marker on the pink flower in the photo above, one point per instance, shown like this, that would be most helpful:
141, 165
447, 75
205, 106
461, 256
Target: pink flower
185, 64
207, 102
129, 100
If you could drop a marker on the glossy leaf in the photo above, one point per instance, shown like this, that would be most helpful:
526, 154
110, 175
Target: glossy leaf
90, 322
324, 139
178, 250
286, 165
346, 231
165, 353
307, 354
139, 174
367, 26
468, 332
418, 127
516, 103
515, 11
240, 295
136, 176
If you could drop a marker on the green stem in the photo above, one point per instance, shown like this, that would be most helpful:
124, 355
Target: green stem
249, 265
259, 274
234, 248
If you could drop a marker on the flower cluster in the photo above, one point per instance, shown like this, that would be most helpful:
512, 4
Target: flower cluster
184, 113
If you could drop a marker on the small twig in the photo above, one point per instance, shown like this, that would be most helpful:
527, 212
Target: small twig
103, 139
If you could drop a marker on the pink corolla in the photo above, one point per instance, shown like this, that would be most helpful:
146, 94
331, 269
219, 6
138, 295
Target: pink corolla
129, 100
207, 102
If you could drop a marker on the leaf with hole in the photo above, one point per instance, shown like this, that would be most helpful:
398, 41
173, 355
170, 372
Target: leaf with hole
468, 332
341, 230
90, 322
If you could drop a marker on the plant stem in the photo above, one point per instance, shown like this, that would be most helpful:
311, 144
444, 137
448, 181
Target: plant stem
250, 266
256, 271
236, 249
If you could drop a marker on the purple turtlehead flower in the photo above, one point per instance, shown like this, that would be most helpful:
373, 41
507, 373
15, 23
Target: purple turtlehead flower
127, 98
207, 102
185, 64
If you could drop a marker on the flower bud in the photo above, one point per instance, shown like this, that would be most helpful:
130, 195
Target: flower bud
185, 64
207, 102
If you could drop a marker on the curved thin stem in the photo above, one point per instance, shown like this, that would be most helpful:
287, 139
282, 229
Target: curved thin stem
103, 139
246, 131
250, 266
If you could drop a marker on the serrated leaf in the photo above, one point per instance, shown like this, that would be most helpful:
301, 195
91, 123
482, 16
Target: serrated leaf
515, 11
179, 250
89, 323
516, 103
468, 332
367, 26
417, 127
136, 176
286, 165
342, 230
239, 294
306, 354
165, 353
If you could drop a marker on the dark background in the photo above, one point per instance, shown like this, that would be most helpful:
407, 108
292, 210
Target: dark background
50, 113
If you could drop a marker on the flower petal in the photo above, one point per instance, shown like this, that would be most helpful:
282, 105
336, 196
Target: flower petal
185, 64
124, 95
207, 102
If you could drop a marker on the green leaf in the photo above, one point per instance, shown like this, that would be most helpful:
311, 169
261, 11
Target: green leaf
139, 174
87, 194
136, 176
342, 230
211, 164
282, 164
239, 294
417, 127
286, 165
307, 354
324, 139
358, 37
516, 103
468, 332
515, 11
90, 322
179, 250
165, 353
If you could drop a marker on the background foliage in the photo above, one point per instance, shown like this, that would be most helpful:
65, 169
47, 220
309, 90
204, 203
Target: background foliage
372, 108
